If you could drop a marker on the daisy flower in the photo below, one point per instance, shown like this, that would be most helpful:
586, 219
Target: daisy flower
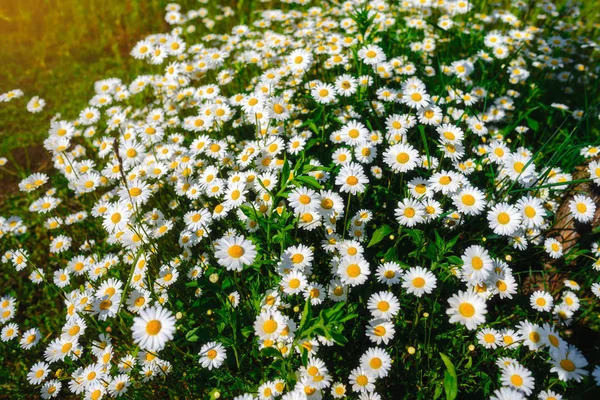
293, 283
507, 393
467, 309
346, 85
477, 264
376, 361
362, 380
372, 54
30, 338
410, 212
418, 281
9, 332
504, 219
383, 305
338, 390
531, 334
380, 331
269, 324
352, 178
415, 97
212, 355
518, 377
38, 372
299, 60
469, 200
323, 93
569, 364
234, 252
553, 247
541, 301
51, 389
353, 270
532, 211
388, 273
401, 157
303, 200
489, 338
582, 208
118, 385
153, 328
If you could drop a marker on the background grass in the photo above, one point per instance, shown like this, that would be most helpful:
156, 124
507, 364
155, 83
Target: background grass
57, 49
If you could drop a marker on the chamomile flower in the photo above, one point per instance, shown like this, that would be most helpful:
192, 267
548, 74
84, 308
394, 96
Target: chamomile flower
401, 157
383, 305
569, 363
234, 252
467, 309
380, 331
541, 301
418, 281
212, 355
477, 264
518, 377
553, 247
504, 219
153, 328
582, 208
410, 212
376, 361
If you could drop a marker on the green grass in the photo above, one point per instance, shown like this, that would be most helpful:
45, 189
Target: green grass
57, 50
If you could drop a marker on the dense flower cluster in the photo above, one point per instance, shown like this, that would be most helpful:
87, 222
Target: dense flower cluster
314, 157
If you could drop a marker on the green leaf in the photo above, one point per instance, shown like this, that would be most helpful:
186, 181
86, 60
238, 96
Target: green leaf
285, 174
533, 124
271, 352
309, 181
455, 260
190, 336
416, 235
306, 315
438, 392
379, 234
450, 378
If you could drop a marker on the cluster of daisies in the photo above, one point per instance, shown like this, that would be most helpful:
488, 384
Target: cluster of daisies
225, 148
35, 105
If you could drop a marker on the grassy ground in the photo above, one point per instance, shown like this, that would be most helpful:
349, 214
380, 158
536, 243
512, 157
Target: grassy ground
57, 49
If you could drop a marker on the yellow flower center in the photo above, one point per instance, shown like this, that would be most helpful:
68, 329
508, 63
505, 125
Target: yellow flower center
353, 270
236, 251
567, 365
153, 327
418, 282
503, 218
466, 310
516, 380
402, 158
270, 326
